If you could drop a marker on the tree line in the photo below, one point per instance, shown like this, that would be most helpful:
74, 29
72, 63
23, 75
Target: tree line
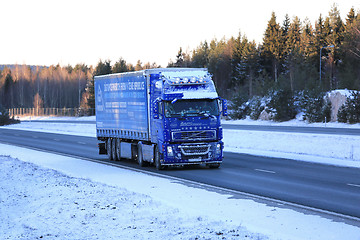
23, 86
288, 58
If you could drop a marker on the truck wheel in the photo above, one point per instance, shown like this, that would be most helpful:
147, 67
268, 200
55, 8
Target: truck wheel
157, 159
140, 157
108, 148
118, 149
113, 149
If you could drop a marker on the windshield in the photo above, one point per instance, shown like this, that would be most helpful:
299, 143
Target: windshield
194, 107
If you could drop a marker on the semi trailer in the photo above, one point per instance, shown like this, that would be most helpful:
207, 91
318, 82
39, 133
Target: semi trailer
163, 116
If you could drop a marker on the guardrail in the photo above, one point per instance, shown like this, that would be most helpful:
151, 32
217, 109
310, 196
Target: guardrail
68, 112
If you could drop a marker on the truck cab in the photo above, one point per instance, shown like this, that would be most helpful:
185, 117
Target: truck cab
186, 118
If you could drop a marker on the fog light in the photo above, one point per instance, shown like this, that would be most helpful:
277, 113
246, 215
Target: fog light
170, 151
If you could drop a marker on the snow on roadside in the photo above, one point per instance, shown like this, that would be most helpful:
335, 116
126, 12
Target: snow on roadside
87, 130
340, 150
292, 123
50, 196
39, 203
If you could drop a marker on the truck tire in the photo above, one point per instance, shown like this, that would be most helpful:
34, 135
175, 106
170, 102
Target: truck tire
158, 164
118, 149
109, 148
113, 149
140, 157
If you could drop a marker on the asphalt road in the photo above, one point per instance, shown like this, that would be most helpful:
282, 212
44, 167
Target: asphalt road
288, 129
335, 189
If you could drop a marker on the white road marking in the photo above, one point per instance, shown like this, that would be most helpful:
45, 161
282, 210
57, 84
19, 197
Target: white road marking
266, 171
353, 185
81, 143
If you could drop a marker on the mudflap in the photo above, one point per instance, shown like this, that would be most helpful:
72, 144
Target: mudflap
102, 148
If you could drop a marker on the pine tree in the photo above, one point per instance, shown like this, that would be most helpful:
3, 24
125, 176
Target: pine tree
334, 38
237, 74
251, 61
284, 34
138, 66
293, 57
351, 17
101, 68
272, 46
120, 66
310, 57
349, 69
7, 83
200, 56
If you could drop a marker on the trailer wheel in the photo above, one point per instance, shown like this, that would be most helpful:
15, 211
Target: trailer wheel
140, 157
113, 149
118, 149
158, 164
109, 148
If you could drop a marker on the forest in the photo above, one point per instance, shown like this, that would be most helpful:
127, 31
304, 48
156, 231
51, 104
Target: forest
294, 55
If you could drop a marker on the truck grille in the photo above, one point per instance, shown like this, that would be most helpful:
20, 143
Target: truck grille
194, 149
194, 135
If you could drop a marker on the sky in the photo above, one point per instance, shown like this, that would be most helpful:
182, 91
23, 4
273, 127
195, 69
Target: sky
42, 32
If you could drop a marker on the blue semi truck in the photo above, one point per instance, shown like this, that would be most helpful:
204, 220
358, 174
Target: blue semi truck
163, 116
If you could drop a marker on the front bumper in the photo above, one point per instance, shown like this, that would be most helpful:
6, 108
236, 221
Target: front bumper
193, 153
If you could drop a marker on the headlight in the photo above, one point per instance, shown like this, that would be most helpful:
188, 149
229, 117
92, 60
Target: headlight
170, 151
218, 148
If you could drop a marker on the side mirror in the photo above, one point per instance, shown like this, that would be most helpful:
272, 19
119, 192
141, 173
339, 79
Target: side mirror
156, 109
224, 107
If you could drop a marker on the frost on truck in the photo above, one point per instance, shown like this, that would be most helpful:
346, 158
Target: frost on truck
165, 117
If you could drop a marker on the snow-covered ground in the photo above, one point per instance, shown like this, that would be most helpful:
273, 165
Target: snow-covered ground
48, 196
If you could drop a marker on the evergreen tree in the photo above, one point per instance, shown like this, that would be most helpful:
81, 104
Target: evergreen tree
179, 61
310, 57
220, 56
335, 29
284, 34
101, 68
237, 74
320, 35
349, 70
200, 56
351, 17
7, 83
120, 66
293, 56
138, 66
245, 64
182, 60
271, 48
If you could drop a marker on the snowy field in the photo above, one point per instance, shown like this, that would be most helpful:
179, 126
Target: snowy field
48, 196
